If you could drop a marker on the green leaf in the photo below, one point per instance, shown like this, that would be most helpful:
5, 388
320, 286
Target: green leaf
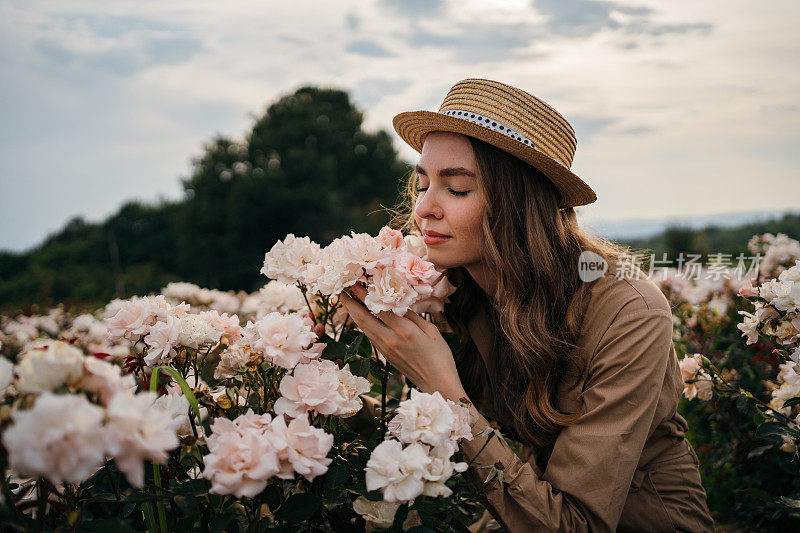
458, 526
272, 495
770, 429
792, 401
758, 493
298, 508
337, 475
376, 368
360, 367
352, 350
334, 349
759, 418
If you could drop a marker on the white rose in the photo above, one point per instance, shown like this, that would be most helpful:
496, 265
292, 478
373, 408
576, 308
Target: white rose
138, 430
424, 417
195, 332
46, 369
398, 472
60, 438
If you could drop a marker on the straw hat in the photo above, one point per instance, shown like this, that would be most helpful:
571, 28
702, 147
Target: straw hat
510, 119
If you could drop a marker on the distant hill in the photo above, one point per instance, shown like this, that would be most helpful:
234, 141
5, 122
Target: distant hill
714, 239
639, 229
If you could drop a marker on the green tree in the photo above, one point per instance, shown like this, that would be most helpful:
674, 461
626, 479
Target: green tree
307, 168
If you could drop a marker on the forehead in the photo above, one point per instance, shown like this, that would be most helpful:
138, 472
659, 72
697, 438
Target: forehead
442, 148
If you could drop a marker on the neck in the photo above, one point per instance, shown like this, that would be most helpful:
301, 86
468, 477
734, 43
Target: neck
484, 278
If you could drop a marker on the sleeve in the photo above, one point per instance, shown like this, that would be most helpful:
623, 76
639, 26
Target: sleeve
588, 475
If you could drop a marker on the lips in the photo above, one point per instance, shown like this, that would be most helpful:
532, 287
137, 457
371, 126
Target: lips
432, 237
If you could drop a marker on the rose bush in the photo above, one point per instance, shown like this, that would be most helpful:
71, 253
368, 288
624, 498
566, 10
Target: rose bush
737, 338
197, 409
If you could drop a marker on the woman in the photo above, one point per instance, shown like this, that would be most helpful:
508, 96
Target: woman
566, 345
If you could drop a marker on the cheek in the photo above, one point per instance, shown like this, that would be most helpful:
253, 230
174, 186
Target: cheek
470, 225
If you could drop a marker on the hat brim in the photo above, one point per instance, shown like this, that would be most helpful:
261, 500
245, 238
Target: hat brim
413, 126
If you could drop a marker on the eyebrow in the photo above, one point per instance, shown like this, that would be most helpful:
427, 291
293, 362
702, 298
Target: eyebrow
448, 172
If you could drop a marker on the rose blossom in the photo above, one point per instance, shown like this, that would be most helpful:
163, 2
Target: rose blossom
749, 325
241, 459
232, 361
423, 417
417, 271
416, 245
366, 251
60, 438
691, 369
390, 238
440, 469
132, 320
288, 260
435, 302
138, 430
398, 472
177, 405
46, 369
350, 388
195, 331
227, 324
322, 387
312, 387
161, 308
389, 291
6, 376
283, 338
378, 513
103, 378
161, 341
301, 447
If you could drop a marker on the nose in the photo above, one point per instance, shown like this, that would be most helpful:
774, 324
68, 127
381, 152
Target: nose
428, 207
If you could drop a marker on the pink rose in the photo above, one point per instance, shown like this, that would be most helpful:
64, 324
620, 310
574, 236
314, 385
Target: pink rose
302, 448
311, 388
417, 270
132, 320
390, 238
229, 325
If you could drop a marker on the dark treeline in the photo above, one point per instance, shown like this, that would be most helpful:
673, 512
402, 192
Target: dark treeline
306, 167
713, 240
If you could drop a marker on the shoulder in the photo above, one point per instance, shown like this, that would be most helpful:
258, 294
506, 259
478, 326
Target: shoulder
618, 288
621, 303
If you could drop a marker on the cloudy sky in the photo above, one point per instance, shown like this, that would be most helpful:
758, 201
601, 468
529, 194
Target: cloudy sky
682, 108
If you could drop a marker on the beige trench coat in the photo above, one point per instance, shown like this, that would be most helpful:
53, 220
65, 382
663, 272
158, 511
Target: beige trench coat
625, 465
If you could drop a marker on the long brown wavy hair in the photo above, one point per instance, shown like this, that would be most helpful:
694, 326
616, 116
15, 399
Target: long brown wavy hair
532, 247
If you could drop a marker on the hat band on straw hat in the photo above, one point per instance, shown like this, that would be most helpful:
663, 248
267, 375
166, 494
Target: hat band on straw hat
490, 123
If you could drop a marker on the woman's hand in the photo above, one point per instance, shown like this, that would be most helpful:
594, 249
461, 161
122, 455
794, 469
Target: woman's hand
409, 343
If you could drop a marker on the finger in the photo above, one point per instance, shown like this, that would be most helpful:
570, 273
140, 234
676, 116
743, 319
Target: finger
416, 319
387, 317
368, 323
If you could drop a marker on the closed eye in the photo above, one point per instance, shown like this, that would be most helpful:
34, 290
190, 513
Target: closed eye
452, 191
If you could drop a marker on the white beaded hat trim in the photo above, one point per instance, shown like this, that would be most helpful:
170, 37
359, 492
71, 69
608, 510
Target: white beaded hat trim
490, 123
